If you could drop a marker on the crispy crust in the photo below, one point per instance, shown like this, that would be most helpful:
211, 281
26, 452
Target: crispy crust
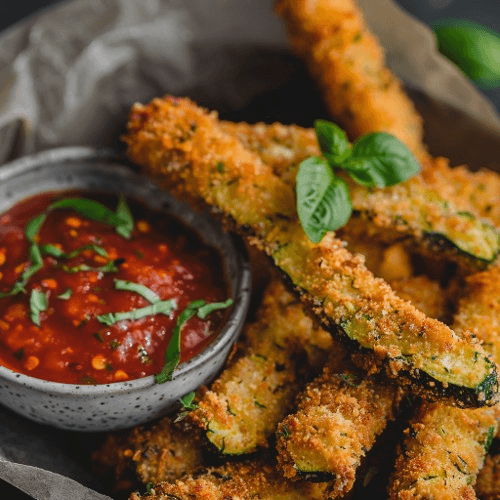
440, 433
163, 452
183, 147
245, 404
442, 453
347, 63
256, 478
339, 417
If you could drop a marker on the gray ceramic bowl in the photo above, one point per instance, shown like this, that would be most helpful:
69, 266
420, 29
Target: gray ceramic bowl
122, 404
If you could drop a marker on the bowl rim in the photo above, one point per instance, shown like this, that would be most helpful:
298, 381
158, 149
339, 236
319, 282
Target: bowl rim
236, 316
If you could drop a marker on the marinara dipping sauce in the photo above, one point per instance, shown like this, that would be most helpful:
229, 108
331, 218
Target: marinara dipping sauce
62, 323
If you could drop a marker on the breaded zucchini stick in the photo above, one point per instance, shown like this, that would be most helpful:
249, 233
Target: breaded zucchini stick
442, 452
247, 480
347, 63
245, 404
339, 417
163, 452
342, 412
183, 147
414, 212
445, 447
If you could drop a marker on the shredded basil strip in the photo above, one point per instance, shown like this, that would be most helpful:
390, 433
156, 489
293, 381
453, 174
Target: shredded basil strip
38, 303
36, 264
126, 227
89, 208
142, 290
173, 353
165, 307
54, 251
33, 226
205, 310
110, 267
66, 294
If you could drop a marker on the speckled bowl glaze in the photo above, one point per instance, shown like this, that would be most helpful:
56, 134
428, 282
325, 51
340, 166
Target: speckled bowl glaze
122, 404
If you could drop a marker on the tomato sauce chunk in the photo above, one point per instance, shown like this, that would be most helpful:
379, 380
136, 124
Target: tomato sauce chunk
91, 296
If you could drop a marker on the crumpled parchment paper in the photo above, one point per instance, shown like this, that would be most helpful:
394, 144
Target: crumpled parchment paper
69, 76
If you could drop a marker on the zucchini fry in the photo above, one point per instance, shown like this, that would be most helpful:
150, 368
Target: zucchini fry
347, 63
445, 447
163, 452
442, 452
183, 147
245, 404
414, 212
339, 417
251, 479
342, 412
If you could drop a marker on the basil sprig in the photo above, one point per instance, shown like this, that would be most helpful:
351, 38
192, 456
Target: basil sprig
173, 352
374, 160
38, 303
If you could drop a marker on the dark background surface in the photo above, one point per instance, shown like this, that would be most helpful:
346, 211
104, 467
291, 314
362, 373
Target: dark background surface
486, 12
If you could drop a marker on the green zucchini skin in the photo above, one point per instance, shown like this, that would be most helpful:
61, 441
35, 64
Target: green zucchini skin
182, 147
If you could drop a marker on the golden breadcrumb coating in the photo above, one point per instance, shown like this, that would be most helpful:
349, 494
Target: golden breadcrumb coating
251, 479
246, 402
162, 452
347, 63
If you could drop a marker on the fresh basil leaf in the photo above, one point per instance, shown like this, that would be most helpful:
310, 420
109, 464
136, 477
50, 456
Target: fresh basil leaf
332, 141
66, 295
91, 209
126, 227
97, 249
187, 401
323, 202
33, 226
110, 267
205, 310
36, 263
142, 290
38, 303
163, 307
51, 250
474, 48
381, 160
173, 352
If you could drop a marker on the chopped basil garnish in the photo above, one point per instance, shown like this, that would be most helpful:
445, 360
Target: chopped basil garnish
54, 251
126, 227
173, 353
65, 295
375, 160
142, 290
205, 310
187, 406
89, 208
165, 307
38, 303
35, 265
33, 226
110, 267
